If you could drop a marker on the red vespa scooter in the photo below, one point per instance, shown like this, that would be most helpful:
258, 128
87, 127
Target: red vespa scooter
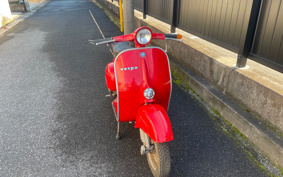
139, 80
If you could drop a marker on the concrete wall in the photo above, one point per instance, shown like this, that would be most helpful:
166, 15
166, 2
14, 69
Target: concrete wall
4, 11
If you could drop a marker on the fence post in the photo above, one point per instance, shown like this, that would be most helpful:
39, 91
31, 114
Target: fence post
247, 37
144, 5
175, 16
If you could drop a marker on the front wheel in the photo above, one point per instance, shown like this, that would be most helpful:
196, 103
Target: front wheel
159, 159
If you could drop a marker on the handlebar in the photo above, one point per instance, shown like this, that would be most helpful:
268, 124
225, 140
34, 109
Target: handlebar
106, 42
132, 37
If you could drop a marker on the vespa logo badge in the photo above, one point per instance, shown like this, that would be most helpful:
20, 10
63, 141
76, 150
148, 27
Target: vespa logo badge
129, 68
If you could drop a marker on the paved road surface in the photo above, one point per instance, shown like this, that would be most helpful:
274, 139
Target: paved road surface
55, 120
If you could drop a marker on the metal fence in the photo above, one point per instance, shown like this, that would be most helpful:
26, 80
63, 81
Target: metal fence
253, 28
160, 9
138, 5
268, 41
217, 19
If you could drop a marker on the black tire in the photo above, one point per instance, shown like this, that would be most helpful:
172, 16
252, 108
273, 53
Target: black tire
159, 159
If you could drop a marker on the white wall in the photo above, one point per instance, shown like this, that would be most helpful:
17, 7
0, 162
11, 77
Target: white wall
4, 10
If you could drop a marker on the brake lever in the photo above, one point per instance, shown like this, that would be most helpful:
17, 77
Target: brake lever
96, 41
92, 42
101, 41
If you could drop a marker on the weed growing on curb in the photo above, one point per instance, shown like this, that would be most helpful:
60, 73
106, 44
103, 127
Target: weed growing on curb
247, 110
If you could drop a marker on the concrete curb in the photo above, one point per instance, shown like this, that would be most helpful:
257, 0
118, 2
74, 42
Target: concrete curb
10, 25
267, 141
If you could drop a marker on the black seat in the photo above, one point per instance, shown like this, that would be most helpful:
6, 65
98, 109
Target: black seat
120, 46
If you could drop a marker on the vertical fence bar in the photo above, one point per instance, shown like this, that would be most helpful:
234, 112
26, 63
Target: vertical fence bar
175, 15
248, 34
144, 5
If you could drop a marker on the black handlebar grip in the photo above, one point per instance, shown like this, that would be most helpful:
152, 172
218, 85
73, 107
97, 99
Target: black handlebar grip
171, 35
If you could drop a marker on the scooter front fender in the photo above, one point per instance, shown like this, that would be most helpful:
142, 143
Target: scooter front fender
154, 121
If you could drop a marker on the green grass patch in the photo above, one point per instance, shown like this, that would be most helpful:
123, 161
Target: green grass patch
178, 81
247, 110
216, 112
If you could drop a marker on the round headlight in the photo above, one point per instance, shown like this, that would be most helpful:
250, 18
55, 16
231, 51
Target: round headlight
144, 36
148, 93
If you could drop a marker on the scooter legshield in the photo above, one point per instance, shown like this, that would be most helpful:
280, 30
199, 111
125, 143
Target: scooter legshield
154, 121
136, 70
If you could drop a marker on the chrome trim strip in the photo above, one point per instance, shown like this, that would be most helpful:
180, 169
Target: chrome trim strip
116, 80
170, 78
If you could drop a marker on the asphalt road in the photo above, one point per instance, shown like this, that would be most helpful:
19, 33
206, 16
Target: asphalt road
56, 121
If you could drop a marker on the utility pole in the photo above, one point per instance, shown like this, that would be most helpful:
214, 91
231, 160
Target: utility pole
128, 14
25, 5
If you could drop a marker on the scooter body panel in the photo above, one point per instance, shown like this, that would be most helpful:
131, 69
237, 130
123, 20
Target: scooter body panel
154, 121
136, 70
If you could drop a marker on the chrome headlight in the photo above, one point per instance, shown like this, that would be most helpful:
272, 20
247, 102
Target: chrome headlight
148, 93
143, 36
